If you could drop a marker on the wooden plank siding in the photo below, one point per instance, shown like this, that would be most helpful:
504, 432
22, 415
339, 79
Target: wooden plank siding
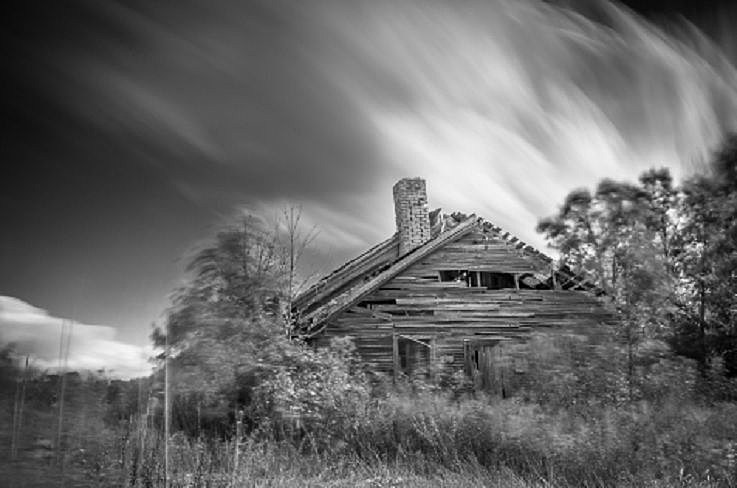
314, 320
415, 303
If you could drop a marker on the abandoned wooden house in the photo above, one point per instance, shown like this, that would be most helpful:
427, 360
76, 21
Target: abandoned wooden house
448, 290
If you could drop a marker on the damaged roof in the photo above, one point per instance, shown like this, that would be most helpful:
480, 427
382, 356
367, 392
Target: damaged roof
344, 287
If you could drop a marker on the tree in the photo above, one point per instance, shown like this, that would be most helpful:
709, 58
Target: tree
665, 255
225, 317
620, 238
225, 331
293, 244
706, 317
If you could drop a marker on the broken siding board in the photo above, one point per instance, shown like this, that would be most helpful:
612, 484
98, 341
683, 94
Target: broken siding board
405, 279
393, 291
420, 273
373, 313
470, 299
438, 306
480, 315
438, 285
436, 325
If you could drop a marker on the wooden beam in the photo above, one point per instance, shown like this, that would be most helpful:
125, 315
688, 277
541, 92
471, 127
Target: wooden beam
395, 356
433, 359
414, 339
372, 313
345, 273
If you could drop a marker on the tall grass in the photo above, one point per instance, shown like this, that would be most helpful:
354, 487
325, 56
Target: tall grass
318, 425
428, 439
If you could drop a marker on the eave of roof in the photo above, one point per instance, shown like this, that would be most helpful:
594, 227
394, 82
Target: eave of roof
344, 273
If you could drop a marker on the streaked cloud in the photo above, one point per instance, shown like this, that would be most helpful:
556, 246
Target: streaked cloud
503, 106
515, 103
34, 332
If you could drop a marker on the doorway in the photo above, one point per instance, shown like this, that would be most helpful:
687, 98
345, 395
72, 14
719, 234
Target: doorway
486, 364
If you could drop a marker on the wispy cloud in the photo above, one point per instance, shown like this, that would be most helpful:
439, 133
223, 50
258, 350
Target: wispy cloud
503, 105
513, 103
92, 347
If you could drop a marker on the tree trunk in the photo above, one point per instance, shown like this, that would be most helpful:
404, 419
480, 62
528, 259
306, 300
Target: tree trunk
702, 328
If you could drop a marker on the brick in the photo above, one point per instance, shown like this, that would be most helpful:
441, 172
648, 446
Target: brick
411, 212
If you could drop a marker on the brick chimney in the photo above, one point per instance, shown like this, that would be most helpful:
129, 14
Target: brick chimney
410, 209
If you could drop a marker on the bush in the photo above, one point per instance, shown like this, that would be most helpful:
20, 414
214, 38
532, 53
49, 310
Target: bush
319, 392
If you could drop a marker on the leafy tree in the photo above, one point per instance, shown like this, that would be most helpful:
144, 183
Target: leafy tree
226, 317
620, 237
225, 332
665, 255
706, 317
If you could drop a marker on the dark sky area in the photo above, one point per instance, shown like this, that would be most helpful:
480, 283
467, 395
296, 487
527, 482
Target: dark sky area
130, 129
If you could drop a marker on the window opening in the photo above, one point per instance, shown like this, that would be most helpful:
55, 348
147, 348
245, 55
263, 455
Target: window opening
414, 355
497, 281
453, 275
483, 279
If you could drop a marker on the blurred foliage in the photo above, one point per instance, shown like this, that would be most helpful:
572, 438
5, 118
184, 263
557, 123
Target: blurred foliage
664, 254
228, 342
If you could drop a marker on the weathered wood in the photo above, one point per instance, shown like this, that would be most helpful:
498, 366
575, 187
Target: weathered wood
407, 298
353, 295
372, 313
395, 355
438, 307
377, 256
440, 325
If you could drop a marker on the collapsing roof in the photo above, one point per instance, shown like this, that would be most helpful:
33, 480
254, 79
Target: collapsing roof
419, 233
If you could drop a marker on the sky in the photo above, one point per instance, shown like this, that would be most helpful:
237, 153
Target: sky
132, 129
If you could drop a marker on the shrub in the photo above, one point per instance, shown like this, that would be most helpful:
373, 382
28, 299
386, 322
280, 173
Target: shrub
316, 391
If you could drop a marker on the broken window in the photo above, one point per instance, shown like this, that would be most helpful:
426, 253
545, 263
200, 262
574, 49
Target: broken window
497, 281
493, 280
413, 355
535, 281
453, 275
484, 279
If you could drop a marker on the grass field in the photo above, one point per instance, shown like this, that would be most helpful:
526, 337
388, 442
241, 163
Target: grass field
415, 440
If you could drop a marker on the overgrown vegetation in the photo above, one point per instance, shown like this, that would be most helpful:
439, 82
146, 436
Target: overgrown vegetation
415, 434
653, 406
665, 255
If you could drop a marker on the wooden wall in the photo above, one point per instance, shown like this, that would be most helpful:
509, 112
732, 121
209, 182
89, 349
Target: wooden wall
416, 304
